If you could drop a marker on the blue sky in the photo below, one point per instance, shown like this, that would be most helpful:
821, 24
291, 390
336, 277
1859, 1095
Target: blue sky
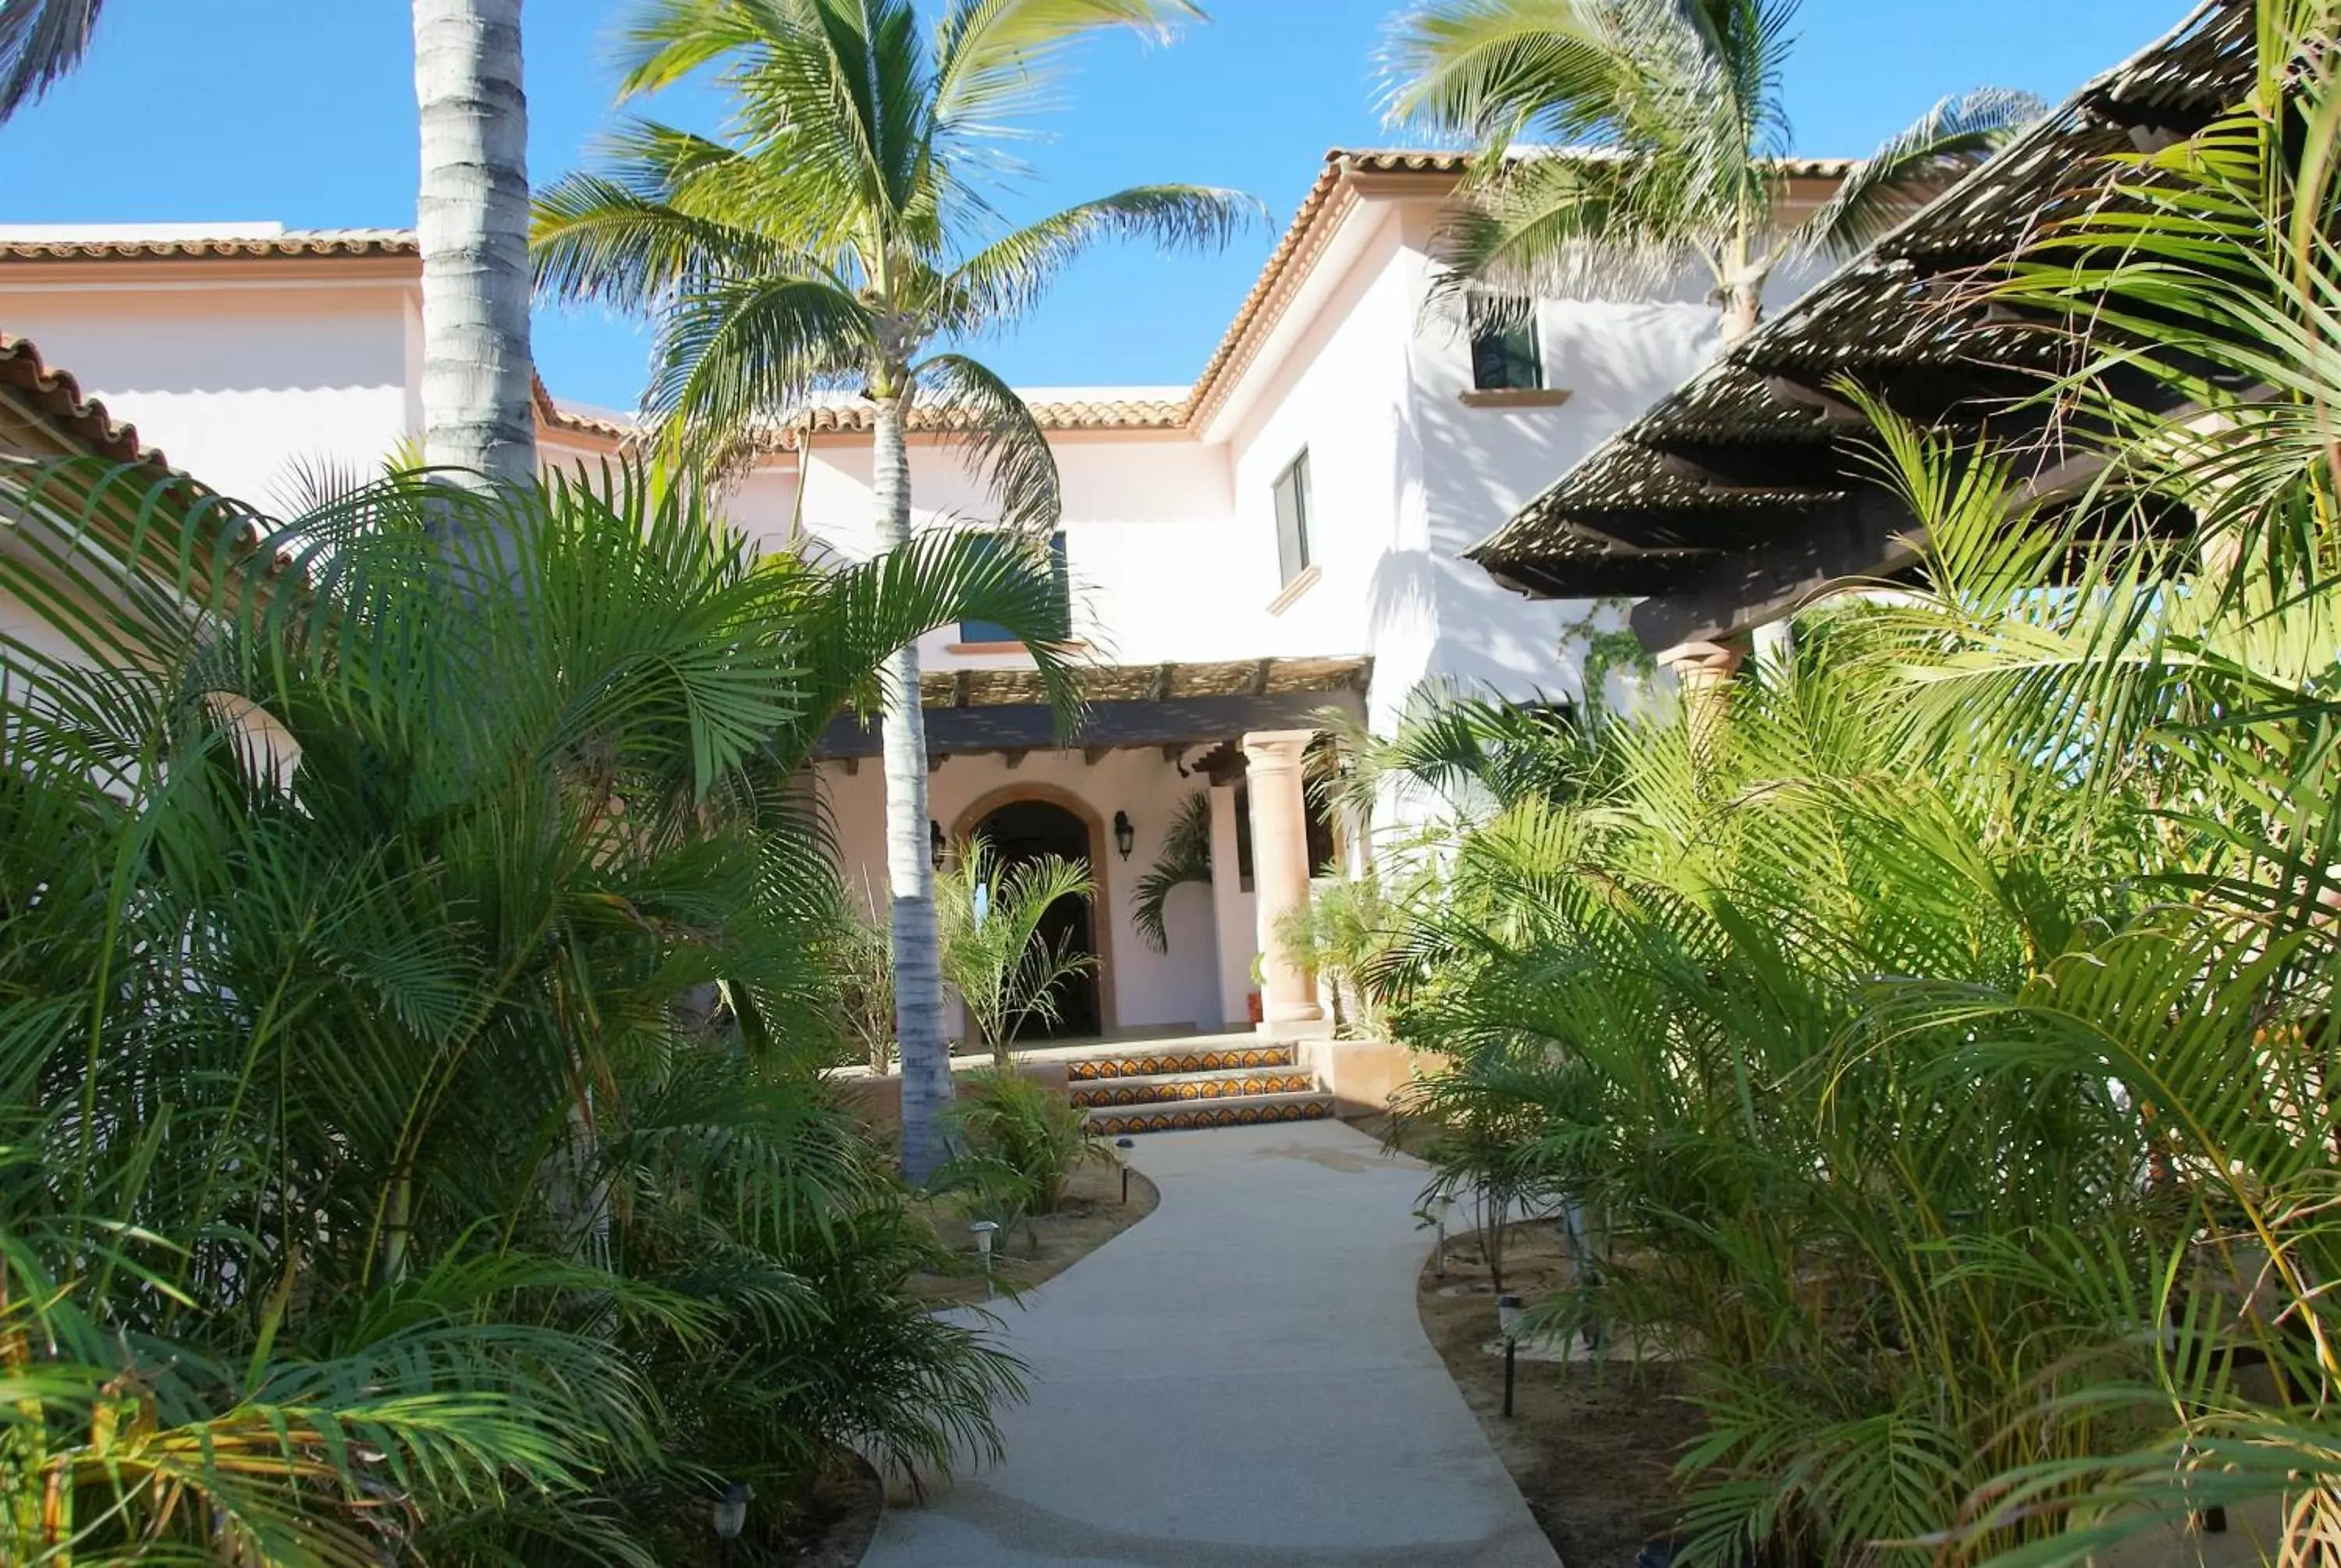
303, 110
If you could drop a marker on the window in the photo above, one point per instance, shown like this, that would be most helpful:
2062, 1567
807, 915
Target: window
1504, 354
1292, 520
1063, 628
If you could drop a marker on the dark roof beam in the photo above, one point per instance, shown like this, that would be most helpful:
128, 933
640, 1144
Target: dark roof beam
1732, 466
1868, 535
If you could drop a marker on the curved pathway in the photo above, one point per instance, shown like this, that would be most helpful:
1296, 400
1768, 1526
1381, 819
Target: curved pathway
1240, 1381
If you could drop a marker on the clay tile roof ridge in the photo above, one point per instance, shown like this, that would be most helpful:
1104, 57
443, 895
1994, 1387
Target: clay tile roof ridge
290, 242
62, 397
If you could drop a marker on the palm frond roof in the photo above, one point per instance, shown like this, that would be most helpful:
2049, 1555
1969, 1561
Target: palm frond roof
1755, 444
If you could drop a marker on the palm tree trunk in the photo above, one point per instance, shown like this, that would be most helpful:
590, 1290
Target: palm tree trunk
1743, 310
471, 219
924, 1053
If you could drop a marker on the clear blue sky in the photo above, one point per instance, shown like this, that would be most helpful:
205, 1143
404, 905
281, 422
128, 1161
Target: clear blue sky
304, 110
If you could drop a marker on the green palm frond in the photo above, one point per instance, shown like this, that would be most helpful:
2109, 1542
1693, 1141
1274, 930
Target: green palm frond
1659, 123
1004, 971
1914, 163
1186, 858
1007, 278
996, 60
40, 43
1005, 442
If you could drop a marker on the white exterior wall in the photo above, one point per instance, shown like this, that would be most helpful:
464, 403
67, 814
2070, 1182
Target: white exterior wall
1340, 393
237, 384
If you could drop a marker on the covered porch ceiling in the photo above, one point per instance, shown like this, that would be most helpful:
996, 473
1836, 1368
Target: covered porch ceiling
1174, 706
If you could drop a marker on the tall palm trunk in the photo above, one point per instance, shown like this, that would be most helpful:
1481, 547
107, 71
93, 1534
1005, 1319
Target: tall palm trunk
471, 219
910, 869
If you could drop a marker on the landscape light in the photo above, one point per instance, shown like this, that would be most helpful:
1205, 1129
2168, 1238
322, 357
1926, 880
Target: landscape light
731, 1512
1509, 1310
983, 1229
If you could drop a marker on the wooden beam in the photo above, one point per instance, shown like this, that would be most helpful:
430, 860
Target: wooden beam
1014, 758
1798, 393
1093, 755
853, 765
1176, 749
935, 760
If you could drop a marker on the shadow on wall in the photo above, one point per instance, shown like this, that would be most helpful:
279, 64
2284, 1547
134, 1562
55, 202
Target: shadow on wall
1476, 467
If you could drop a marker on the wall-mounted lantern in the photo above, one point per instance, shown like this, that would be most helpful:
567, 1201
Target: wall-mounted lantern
1125, 837
935, 842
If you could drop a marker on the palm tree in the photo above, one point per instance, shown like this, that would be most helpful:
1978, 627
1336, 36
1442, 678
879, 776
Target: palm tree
825, 249
995, 954
40, 40
493, 858
471, 221
1676, 106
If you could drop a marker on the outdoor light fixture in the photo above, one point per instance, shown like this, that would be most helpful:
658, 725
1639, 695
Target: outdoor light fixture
1124, 1145
935, 842
731, 1512
983, 1229
1509, 1310
1125, 837
1445, 1207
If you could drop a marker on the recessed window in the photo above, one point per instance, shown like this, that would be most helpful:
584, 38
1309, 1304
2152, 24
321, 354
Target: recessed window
1292, 520
1061, 629
1504, 353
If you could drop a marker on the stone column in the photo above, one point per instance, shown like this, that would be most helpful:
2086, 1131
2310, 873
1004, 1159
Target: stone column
1703, 672
1279, 866
1231, 920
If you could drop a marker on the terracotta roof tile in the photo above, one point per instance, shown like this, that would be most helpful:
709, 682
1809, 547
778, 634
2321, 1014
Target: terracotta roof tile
294, 243
58, 400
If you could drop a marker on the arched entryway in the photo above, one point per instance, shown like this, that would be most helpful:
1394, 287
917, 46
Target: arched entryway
1025, 825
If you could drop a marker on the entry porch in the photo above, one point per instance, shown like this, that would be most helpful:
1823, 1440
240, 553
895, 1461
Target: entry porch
1151, 739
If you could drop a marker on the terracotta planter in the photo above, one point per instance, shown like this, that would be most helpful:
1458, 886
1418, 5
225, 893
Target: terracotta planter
1259, 1012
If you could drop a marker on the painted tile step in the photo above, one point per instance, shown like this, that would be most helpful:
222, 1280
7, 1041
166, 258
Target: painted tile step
1161, 1064
1246, 1111
1175, 1087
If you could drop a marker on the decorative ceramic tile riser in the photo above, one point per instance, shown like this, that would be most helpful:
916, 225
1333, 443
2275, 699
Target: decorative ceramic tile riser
1190, 1119
1243, 1059
1112, 1094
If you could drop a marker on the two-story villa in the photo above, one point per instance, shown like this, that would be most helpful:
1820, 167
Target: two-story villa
1283, 535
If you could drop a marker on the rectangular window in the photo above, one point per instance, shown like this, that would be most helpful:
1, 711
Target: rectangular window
1292, 520
1504, 353
1061, 630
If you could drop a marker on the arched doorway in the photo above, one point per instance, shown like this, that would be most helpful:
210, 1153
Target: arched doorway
1027, 828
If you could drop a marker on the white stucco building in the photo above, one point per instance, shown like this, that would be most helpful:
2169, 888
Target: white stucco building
1283, 535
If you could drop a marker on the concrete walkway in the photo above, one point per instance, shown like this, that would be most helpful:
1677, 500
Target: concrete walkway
1240, 1381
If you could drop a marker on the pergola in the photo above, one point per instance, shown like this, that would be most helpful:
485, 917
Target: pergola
1125, 707
1747, 491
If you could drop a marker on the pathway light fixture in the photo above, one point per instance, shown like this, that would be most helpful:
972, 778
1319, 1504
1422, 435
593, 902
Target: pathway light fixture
1122, 1145
1446, 1208
1125, 836
984, 1230
731, 1512
1510, 1311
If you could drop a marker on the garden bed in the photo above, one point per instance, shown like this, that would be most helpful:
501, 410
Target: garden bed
1590, 1446
1043, 1246
834, 1525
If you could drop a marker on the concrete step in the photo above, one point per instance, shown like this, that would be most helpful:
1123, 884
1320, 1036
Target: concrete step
1236, 1111
1167, 1088
1155, 1064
